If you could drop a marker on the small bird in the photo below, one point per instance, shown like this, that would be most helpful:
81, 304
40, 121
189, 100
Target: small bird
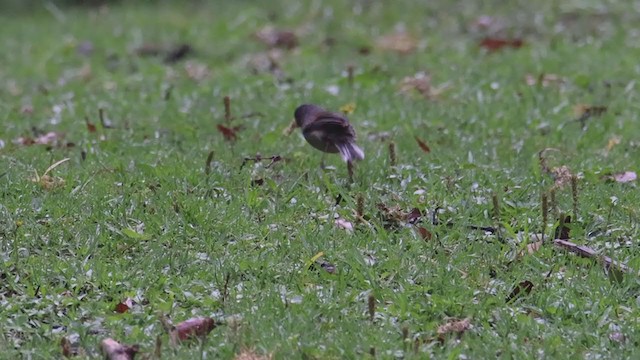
328, 131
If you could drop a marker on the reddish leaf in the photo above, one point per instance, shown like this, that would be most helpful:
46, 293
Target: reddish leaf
124, 306
423, 145
424, 233
229, 133
273, 38
90, 126
66, 347
494, 44
196, 327
113, 350
525, 286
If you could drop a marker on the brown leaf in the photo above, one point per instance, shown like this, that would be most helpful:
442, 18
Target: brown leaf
124, 306
250, 354
423, 145
65, 344
561, 175
524, 287
90, 126
229, 133
275, 38
424, 233
400, 42
421, 83
544, 80
454, 326
414, 216
196, 71
113, 350
495, 44
192, 328
534, 247
585, 111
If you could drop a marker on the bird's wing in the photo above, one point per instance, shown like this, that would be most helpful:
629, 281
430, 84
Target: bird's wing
335, 126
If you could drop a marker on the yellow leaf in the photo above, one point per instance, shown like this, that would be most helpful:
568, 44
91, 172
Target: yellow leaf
348, 108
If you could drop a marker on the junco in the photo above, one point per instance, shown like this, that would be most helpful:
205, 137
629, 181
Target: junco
328, 131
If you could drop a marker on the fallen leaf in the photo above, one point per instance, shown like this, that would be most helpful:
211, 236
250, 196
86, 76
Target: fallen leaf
90, 126
192, 328
533, 247
229, 133
400, 42
561, 176
454, 326
617, 337
196, 71
124, 306
67, 351
250, 354
423, 145
585, 111
348, 109
613, 141
424, 233
344, 224
275, 38
544, 80
113, 350
486, 24
524, 287
419, 83
495, 44
625, 177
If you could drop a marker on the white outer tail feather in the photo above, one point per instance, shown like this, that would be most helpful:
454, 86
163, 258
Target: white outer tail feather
350, 152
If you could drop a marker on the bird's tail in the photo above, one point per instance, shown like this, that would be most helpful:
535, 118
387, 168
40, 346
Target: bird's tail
350, 151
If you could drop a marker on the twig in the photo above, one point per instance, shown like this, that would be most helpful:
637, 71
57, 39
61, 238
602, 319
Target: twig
587, 252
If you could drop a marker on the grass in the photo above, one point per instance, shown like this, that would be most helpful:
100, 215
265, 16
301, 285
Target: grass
138, 217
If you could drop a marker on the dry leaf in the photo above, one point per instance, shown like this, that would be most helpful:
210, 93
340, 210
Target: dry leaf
625, 177
533, 247
561, 175
67, 351
420, 83
523, 287
613, 141
124, 306
113, 350
423, 145
229, 133
544, 80
344, 224
250, 354
495, 44
196, 71
454, 326
400, 42
275, 38
348, 109
585, 111
192, 328
424, 233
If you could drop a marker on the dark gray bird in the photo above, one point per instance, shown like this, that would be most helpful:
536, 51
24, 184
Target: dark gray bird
328, 131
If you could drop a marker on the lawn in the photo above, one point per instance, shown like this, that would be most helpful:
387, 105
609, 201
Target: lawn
132, 199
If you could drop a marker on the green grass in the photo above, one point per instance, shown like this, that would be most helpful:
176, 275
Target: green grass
68, 257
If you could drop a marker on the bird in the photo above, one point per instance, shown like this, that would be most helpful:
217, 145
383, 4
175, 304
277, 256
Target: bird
328, 131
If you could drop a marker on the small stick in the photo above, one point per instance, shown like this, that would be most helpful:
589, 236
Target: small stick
372, 307
496, 206
574, 195
393, 160
350, 75
360, 206
227, 109
545, 214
